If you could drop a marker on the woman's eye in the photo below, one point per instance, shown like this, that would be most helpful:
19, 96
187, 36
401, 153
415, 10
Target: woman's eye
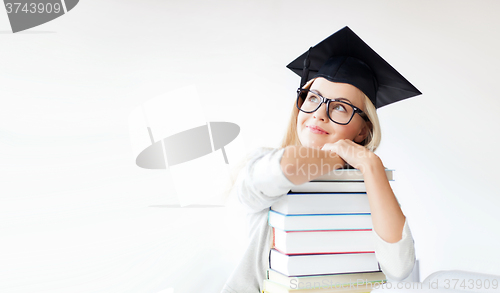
313, 99
339, 107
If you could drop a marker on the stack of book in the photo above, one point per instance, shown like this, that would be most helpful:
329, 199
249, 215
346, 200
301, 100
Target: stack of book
322, 237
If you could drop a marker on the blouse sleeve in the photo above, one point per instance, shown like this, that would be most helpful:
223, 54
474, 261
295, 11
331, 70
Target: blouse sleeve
396, 259
262, 182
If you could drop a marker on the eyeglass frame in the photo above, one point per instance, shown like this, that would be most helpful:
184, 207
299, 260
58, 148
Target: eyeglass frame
327, 102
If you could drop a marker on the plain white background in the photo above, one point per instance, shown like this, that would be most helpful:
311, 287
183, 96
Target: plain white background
77, 215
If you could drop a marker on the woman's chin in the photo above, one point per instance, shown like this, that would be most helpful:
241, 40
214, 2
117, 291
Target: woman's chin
314, 145
312, 142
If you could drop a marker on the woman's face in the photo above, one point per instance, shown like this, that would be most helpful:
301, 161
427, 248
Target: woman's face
329, 131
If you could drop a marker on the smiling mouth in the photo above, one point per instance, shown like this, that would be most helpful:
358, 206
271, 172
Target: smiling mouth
316, 130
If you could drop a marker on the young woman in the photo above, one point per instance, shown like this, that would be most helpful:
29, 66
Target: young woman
333, 124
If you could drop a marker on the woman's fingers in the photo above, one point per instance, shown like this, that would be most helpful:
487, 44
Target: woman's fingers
352, 153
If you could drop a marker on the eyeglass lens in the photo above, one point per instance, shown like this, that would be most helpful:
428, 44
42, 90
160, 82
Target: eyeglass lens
338, 111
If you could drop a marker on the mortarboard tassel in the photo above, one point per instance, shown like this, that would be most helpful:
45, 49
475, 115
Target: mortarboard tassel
305, 72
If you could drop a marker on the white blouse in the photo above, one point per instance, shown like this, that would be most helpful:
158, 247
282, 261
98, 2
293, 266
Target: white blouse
261, 183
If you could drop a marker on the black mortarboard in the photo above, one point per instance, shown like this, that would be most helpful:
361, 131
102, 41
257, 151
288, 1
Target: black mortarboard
344, 57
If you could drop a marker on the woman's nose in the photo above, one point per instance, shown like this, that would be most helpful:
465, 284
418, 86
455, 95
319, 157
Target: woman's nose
320, 113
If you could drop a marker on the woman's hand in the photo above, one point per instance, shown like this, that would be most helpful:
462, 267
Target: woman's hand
302, 164
354, 154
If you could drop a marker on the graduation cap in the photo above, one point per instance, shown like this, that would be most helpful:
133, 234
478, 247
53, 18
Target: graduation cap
344, 57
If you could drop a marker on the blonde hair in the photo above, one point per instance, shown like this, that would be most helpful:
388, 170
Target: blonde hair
372, 140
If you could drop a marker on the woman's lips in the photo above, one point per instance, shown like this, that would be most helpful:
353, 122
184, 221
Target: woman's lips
317, 130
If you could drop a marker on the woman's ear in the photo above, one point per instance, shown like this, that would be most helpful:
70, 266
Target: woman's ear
363, 133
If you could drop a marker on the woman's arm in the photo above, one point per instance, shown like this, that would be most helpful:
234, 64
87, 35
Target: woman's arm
261, 181
271, 173
394, 243
387, 217
302, 164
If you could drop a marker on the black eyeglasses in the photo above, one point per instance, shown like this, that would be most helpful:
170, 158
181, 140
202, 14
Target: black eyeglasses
338, 111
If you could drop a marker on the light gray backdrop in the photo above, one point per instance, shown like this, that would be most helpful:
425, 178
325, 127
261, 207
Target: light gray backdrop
77, 215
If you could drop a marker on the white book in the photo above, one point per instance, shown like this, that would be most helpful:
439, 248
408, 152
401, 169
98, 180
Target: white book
309, 242
349, 175
272, 287
320, 221
333, 280
330, 186
322, 203
322, 264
